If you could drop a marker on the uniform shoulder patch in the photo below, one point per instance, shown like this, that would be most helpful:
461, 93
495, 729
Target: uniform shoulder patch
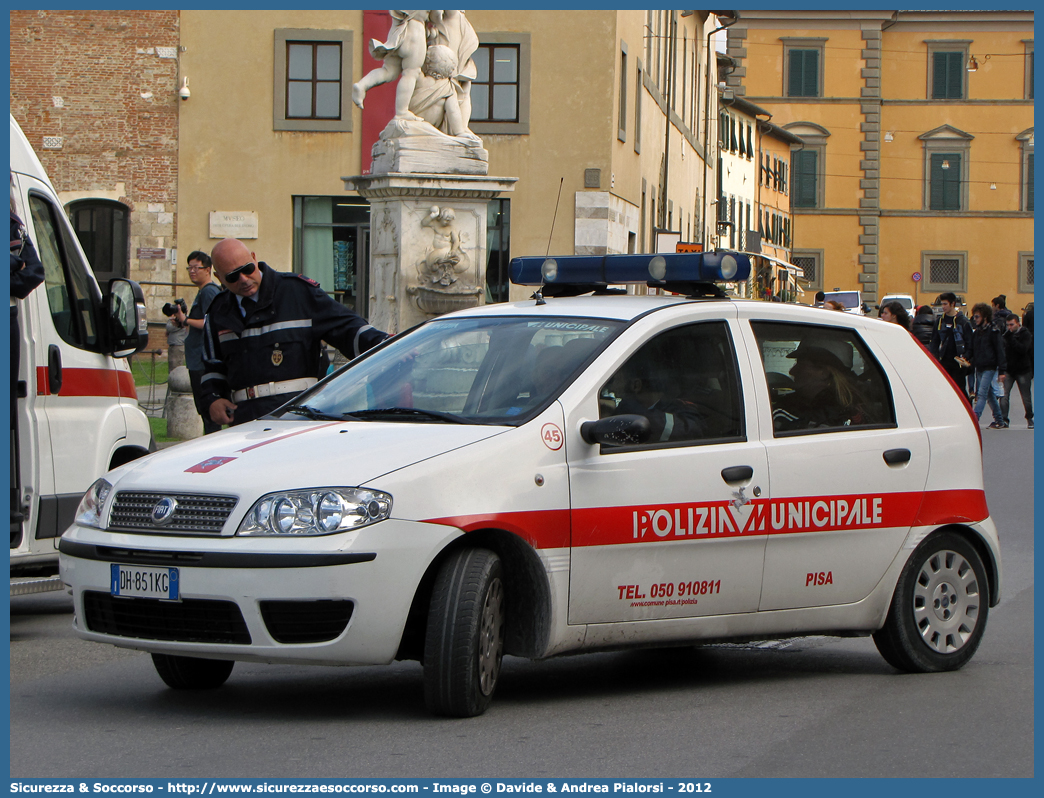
308, 280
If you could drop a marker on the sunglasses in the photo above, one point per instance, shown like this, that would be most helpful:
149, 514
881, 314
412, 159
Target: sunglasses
246, 268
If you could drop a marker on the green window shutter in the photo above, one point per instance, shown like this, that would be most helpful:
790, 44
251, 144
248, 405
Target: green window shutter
945, 189
947, 75
1029, 182
804, 73
804, 168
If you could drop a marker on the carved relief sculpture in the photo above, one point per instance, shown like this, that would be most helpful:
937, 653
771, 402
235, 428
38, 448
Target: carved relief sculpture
445, 259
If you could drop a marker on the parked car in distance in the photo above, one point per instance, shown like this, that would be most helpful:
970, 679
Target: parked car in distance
852, 300
905, 300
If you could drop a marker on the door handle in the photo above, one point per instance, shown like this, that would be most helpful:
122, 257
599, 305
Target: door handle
734, 474
897, 456
54, 369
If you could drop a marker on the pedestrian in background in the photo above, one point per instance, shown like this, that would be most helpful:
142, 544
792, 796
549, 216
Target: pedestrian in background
950, 338
923, 324
988, 359
1018, 350
896, 314
199, 272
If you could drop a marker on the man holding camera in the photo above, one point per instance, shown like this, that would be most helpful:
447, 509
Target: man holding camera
263, 337
199, 266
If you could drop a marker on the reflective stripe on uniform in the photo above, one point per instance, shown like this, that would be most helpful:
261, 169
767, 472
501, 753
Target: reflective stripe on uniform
279, 325
359, 332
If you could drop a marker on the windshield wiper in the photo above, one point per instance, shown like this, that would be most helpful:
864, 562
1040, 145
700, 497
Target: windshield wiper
409, 411
313, 414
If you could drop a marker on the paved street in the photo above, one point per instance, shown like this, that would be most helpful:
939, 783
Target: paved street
808, 707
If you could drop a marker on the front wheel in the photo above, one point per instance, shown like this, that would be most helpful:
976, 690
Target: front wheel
192, 673
939, 608
464, 645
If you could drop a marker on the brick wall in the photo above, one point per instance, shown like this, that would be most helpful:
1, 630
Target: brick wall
106, 83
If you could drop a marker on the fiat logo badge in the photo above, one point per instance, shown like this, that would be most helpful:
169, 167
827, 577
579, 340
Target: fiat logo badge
163, 510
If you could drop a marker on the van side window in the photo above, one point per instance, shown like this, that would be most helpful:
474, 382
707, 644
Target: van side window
685, 381
821, 379
72, 295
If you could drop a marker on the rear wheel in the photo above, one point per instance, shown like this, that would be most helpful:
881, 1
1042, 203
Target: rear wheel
192, 673
464, 645
939, 608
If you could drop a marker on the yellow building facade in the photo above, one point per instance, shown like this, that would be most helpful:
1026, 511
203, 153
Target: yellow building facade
917, 145
603, 114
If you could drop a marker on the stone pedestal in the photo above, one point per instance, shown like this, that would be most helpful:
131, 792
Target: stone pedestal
183, 421
425, 262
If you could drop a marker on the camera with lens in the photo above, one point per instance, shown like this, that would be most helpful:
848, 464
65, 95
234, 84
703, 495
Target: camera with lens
171, 308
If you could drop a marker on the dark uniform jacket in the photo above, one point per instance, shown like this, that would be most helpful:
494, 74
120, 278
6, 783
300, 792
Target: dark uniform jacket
987, 350
1018, 348
923, 326
278, 340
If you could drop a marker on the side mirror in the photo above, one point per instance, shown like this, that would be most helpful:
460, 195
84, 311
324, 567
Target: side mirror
125, 311
624, 430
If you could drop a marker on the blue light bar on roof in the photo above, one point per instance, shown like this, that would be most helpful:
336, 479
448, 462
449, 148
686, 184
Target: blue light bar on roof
648, 269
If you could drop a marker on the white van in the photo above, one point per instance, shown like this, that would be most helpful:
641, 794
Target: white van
77, 409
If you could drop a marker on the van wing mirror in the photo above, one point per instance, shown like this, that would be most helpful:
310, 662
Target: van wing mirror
624, 430
125, 311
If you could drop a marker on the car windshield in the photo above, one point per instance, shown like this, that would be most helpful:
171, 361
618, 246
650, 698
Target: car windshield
489, 370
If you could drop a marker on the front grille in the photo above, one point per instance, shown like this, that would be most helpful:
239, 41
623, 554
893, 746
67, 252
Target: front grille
194, 513
306, 621
188, 621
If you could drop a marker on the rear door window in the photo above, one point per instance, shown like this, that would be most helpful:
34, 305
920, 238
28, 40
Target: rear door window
821, 379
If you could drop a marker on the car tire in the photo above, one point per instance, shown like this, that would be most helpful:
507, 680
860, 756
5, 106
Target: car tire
192, 673
464, 644
939, 608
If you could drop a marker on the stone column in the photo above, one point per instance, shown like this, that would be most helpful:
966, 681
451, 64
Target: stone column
425, 261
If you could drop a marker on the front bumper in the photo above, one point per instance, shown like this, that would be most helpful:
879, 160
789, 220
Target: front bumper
229, 586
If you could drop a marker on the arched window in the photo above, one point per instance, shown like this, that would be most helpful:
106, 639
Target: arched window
102, 226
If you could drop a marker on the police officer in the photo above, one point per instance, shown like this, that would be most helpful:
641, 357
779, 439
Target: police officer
261, 342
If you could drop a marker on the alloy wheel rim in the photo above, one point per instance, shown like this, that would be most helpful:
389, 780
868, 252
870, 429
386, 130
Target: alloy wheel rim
491, 634
946, 602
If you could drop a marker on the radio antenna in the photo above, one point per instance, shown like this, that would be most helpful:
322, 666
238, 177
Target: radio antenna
553, 218
539, 295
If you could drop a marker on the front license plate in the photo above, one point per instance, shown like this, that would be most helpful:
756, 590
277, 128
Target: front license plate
133, 580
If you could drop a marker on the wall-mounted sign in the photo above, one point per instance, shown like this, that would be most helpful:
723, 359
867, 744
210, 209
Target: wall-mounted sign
684, 246
233, 224
152, 253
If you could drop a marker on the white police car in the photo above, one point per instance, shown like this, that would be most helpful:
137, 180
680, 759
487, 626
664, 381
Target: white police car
562, 474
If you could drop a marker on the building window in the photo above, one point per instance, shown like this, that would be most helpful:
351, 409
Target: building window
1025, 272
810, 261
805, 166
944, 191
638, 93
802, 71
946, 152
1028, 91
944, 271
947, 69
498, 249
621, 132
312, 80
102, 228
500, 91
332, 246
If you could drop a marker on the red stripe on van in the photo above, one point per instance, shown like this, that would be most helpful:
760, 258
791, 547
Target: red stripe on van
89, 382
601, 526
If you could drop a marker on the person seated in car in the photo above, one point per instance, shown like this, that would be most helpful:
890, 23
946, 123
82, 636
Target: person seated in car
638, 389
825, 390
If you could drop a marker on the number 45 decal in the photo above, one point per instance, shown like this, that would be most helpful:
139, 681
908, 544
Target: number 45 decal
552, 437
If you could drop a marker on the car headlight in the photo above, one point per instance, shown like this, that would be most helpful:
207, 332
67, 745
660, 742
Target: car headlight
316, 511
89, 512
